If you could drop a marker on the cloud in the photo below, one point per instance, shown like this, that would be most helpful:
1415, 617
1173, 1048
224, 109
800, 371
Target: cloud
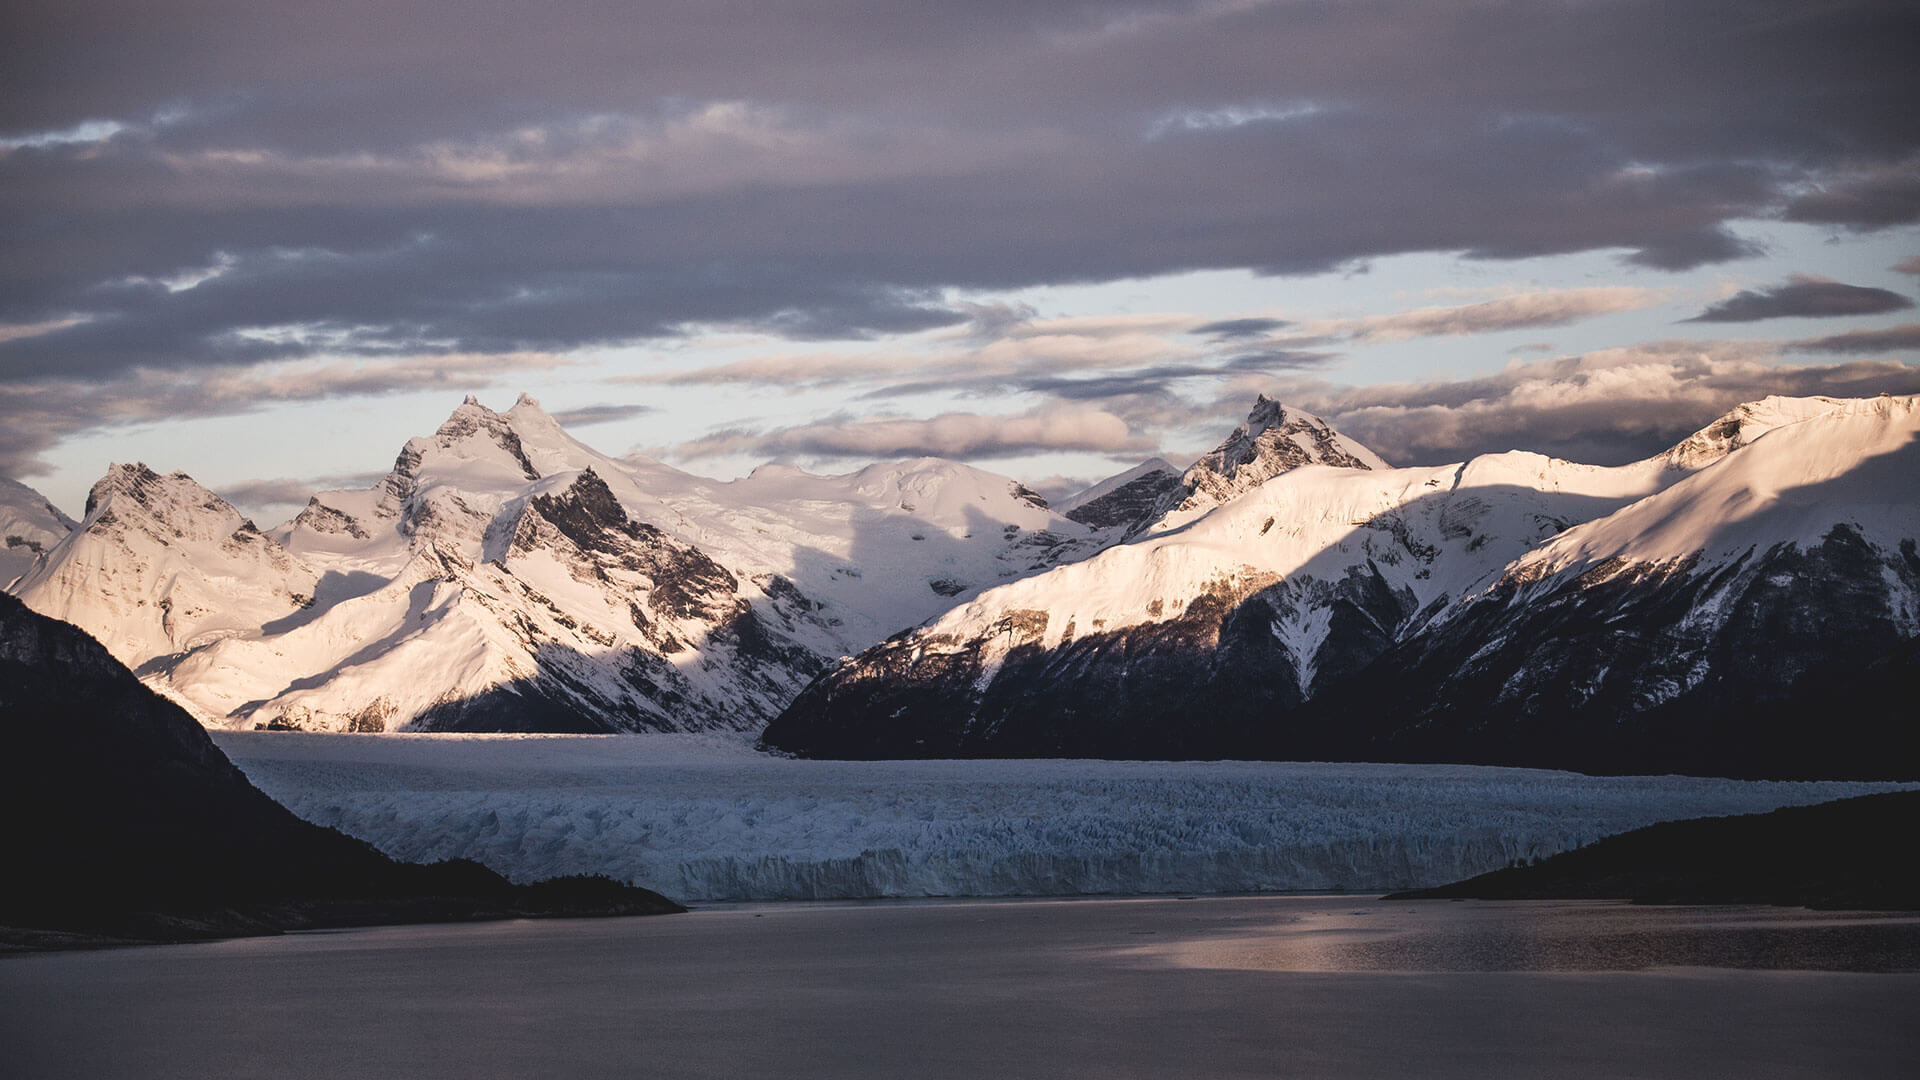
1880, 199
1605, 407
588, 415
951, 435
41, 412
418, 180
1804, 296
1891, 339
1550, 307
1239, 328
1909, 265
282, 492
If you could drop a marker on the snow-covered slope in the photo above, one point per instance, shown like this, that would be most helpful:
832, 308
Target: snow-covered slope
504, 576
160, 565
882, 548
29, 526
1211, 634
1758, 617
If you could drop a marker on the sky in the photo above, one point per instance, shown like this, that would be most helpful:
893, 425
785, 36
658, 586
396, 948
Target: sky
267, 243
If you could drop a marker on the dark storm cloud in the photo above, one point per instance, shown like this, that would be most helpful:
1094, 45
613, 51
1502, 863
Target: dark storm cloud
373, 178
1804, 297
1891, 197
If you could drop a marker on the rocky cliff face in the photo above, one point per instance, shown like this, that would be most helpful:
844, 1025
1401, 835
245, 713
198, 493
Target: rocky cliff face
1126, 501
1458, 614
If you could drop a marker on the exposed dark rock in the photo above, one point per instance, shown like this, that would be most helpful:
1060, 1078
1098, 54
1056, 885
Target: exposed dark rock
1803, 672
322, 518
1209, 681
1129, 504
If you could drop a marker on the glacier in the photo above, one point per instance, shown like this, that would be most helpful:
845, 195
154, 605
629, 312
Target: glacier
706, 817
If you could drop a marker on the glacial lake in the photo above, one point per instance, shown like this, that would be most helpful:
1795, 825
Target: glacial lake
1295, 986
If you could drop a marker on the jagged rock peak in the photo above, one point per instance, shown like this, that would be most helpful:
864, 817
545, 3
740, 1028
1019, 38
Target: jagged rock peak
585, 511
1274, 439
173, 497
134, 480
469, 419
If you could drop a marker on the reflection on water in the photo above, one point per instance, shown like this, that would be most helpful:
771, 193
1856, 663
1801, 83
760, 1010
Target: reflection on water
1441, 936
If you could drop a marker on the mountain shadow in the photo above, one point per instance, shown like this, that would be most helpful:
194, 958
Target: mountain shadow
127, 823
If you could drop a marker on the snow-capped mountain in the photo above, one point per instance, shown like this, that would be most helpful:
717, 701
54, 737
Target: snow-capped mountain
29, 526
504, 576
1756, 618
1221, 629
1275, 439
159, 565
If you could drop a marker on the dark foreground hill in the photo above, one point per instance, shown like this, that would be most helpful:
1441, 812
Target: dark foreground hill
125, 822
1846, 854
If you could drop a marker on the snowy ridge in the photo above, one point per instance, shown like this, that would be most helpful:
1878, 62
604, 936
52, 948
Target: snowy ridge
703, 818
29, 527
1743, 424
1191, 640
1100, 490
1855, 463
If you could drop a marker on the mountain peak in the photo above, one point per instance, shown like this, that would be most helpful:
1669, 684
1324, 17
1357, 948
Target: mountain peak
164, 496
1273, 440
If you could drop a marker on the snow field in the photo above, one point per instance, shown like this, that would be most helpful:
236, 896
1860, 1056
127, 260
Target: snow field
704, 817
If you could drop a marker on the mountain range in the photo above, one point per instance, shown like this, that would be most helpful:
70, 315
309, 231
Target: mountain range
1288, 595
1741, 604
504, 576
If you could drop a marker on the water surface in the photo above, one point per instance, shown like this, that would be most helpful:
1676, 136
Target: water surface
1218, 987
